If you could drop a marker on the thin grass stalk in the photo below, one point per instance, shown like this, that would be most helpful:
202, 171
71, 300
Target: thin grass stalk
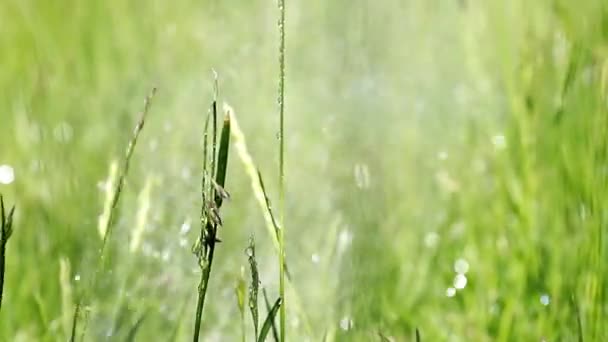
6, 221
281, 103
204, 224
254, 286
107, 229
211, 219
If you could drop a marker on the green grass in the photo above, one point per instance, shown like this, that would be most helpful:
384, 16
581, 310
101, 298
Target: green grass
425, 143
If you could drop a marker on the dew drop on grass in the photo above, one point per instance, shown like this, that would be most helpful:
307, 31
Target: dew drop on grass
315, 258
344, 240
545, 299
77, 277
7, 174
346, 323
460, 281
186, 173
185, 227
362, 176
450, 292
461, 266
499, 141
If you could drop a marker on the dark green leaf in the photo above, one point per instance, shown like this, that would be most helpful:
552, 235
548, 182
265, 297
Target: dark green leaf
269, 320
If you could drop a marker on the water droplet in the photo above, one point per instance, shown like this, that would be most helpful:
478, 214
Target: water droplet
545, 299
499, 141
315, 258
186, 173
7, 174
450, 292
460, 281
461, 266
362, 176
431, 239
63, 132
185, 227
346, 323
183, 242
344, 240
77, 277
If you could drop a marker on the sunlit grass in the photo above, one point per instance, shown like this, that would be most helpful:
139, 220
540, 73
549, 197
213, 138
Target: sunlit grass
446, 168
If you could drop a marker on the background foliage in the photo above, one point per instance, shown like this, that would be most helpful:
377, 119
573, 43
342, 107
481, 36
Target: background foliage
429, 143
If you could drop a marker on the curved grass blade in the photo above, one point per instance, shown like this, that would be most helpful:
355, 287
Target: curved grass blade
275, 333
269, 320
135, 328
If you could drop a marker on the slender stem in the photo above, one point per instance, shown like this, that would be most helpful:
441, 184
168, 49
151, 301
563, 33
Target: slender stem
281, 103
203, 285
2, 264
6, 229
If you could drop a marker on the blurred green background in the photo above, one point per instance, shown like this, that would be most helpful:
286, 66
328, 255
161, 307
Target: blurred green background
447, 165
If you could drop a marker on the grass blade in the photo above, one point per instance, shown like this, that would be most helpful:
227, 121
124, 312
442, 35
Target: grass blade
579, 323
222, 156
418, 339
210, 216
281, 104
135, 328
275, 333
6, 231
269, 320
239, 291
254, 286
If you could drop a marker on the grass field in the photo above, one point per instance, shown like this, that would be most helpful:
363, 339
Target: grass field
446, 167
